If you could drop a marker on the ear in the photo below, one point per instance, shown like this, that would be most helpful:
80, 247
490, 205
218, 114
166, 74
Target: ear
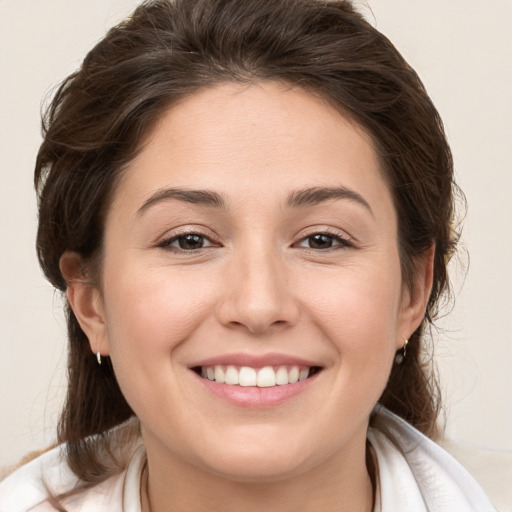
415, 298
85, 300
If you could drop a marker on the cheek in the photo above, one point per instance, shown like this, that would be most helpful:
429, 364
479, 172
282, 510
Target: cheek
149, 317
152, 312
358, 312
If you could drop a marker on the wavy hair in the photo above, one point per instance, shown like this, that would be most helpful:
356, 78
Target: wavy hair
169, 49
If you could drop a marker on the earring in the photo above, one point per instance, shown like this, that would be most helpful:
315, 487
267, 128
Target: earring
98, 354
400, 356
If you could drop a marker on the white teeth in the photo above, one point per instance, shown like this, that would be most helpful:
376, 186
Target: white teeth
266, 377
231, 375
293, 375
219, 374
246, 376
282, 376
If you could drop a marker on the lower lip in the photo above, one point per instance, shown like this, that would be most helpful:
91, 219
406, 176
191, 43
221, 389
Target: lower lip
254, 397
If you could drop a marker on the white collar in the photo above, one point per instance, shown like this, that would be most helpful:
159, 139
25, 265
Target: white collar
420, 476
417, 477
132, 482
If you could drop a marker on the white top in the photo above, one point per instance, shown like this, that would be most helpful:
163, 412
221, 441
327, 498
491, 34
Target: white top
419, 477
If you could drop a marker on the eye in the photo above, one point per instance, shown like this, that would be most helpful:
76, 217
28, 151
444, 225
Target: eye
186, 242
324, 241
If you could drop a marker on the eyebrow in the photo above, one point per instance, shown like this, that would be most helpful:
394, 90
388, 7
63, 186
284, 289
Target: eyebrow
299, 198
200, 197
317, 195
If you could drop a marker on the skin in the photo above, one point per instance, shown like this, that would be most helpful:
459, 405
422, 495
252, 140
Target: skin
258, 286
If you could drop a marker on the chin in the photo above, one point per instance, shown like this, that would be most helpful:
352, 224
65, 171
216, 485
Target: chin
260, 460
257, 469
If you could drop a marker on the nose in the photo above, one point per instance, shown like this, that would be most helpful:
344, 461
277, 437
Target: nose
258, 293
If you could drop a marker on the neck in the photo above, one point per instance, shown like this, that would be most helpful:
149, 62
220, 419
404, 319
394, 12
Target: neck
330, 488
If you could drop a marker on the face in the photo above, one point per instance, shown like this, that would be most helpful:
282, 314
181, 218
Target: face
251, 298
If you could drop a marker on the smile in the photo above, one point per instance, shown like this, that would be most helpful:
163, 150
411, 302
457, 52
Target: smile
265, 377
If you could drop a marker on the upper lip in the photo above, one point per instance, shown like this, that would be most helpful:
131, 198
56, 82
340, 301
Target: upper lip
255, 360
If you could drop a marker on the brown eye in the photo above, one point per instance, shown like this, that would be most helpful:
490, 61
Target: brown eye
324, 241
320, 241
190, 242
186, 242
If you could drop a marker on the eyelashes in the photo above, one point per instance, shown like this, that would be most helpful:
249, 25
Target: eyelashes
187, 242
194, 242
324, 241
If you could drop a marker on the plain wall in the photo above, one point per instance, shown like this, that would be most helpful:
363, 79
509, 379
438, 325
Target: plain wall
462, 49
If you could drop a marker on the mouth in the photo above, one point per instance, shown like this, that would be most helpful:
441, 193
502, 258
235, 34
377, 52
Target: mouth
260, 377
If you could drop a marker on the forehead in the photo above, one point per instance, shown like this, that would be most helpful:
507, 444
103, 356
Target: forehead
244, 137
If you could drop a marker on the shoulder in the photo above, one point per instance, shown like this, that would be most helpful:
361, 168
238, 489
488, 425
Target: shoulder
28, 488
34, 486
414, 469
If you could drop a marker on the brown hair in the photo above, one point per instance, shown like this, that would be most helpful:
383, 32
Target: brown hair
168, 49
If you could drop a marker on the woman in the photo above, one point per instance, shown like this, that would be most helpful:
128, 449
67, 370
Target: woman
249, 207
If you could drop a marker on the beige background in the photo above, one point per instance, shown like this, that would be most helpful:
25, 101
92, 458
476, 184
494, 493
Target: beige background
462, 49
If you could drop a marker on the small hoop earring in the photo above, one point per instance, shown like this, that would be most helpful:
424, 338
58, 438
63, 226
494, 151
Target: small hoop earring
400, 356
98, 357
